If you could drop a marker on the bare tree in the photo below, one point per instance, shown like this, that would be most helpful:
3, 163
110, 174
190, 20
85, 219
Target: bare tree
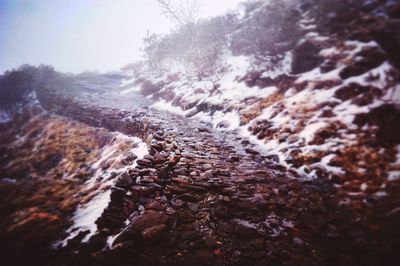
182, 13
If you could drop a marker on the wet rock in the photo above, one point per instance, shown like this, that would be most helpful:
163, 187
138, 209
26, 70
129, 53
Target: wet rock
246, 230
191, 235
148, 219
193, 187
138, 191
126, 180
223, 124
130, 158
180, 171
252, 151
221, 212
144, 162
327, 66
274, 158
176, 189
144, 172
157, 206
158, 137
154, 231
369, 58
203, 129
205, 256
229, 190
305, 58
387, 118
194, 207
158, 147
210, 242
177, 203
180, 180
352, 90
190, 197
234, 158
389, 40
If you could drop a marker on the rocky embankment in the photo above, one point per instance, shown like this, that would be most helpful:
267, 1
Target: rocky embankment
199, 197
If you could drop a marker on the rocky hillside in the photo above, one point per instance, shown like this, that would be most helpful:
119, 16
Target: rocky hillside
328, 106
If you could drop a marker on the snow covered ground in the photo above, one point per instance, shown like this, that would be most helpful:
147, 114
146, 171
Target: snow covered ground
5, 117
98, 187
280, 121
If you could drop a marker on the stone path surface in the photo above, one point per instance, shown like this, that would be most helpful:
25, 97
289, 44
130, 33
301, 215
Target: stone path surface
203, 197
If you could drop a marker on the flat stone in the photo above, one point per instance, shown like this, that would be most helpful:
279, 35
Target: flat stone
148, 219
191, 235
154, 231
193, 187
251, 151
210, 242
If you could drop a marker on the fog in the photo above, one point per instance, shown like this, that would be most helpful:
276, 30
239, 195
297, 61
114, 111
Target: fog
76, 35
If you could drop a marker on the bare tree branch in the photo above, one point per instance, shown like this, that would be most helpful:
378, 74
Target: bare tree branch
186, 12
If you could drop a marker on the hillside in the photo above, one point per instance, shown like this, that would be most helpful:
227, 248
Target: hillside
328, 108
269, 135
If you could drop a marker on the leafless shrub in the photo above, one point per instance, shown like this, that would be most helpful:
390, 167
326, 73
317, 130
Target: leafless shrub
183, 13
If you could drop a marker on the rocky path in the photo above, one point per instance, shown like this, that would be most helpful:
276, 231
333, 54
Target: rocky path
200, 197
203, 197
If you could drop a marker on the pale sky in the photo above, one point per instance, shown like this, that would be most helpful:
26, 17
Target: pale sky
80, 35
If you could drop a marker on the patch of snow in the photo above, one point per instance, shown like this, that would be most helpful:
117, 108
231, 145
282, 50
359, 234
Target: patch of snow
238, 63
393, 175
346, 111
129, 90
5, 117
359, 46
86, 214
226, 121
273, 224
311, 34
246, 224
316, 75
381, 194
363, 186
397, 162
128, 81
277, 225
85, 217
283, 67
111, 239
380, 72
167, 106
8, 180
308, 133
328, 52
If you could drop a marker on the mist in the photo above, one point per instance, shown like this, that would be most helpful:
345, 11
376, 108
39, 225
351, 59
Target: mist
199, 132
76, 36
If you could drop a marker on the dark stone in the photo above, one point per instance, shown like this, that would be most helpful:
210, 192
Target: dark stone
191, 235
327, 66
273, 157
193, 187
251, 151
158, 137
210, 242
350, 91
305, 58
370, 59
154, 231
147, 220
389, 40
387, 118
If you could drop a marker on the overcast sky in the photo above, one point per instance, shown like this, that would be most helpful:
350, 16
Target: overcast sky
80, 35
